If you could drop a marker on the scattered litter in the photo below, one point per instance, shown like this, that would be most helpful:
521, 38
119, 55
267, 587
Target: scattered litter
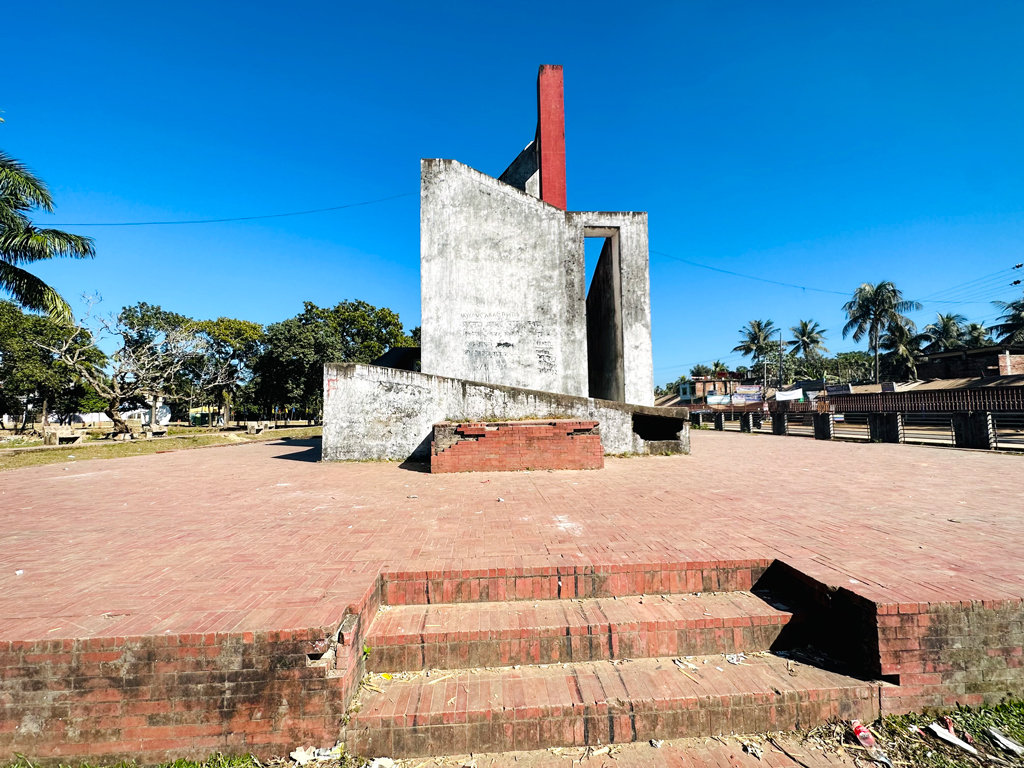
656, 743
1004, 743
305, 755
867, 740
18, 572
944, 735
736, 658
385, 675
381, 762
414, 496
500, 499
720, 669
752, 749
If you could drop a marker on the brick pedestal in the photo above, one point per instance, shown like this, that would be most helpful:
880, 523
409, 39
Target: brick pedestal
720, 422
516, 445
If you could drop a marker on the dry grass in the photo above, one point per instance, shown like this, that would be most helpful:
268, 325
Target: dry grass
116, 450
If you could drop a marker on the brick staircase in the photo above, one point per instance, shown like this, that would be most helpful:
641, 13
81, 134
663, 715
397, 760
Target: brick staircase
476, 675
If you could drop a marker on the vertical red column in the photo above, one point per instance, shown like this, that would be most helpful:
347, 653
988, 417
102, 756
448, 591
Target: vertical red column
551, 135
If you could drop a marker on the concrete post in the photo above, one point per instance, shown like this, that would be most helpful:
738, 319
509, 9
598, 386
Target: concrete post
746, 422
974, 430
780, 424
885, 427
824, 426
720, 422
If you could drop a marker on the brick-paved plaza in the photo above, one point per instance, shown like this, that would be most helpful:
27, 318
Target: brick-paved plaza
220, 599
261, 536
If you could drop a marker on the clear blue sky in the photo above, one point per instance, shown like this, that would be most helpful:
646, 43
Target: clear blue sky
820, 144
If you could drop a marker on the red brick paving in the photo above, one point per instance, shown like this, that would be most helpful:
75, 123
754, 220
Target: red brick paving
253, 537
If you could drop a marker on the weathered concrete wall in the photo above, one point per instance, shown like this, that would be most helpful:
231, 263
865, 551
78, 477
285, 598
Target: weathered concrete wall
631, 231
604, 327
382, 413
502, 288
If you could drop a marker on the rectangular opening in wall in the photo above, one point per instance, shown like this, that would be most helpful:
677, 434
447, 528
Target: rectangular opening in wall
605, 364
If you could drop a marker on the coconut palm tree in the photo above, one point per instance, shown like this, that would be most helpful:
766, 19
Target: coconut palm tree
902, 345
808, 339
873, 310
976, 335
945, 333
755, 340
1011, 325
21, 242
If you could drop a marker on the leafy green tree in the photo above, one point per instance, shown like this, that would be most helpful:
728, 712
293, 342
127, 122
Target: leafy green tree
289, 370
872, 311
21, 242
808, 339
234, 346
976, 335
700, 370
755, 341
853, 367
1010, 327
945, 334
31, 376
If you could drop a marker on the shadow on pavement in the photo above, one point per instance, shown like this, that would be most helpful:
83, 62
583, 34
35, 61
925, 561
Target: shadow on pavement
312, 452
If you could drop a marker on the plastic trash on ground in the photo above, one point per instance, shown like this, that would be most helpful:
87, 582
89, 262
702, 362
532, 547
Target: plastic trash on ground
867, 740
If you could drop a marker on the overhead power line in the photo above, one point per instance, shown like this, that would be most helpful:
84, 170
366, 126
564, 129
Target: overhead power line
236, 218
748, 277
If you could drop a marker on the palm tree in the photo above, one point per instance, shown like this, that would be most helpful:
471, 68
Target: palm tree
976, 335
873, 310
808, 339
718, 367
755, 340
21, 242
945, 333
903, 345
1011, 325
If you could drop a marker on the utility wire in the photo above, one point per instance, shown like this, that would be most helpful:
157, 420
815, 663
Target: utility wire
748, 277
237, 218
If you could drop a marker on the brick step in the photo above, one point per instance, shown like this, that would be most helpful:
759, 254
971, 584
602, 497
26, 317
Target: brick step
592, 703
498, 580
468, 635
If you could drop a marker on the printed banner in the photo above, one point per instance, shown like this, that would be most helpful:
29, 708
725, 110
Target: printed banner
796, 394
748, 389
718, 399
743, 399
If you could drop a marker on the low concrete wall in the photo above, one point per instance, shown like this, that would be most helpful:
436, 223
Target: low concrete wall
383, 413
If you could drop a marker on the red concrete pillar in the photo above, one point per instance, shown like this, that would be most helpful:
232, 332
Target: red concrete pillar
551, 135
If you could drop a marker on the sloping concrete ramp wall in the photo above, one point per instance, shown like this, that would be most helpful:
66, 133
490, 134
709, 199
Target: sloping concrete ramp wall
384, 413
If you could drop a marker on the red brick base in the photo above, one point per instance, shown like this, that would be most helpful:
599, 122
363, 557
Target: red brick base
519, 445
